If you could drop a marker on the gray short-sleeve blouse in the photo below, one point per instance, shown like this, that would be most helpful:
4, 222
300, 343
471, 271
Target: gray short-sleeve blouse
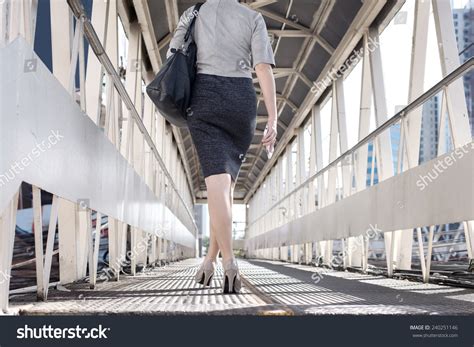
231, 38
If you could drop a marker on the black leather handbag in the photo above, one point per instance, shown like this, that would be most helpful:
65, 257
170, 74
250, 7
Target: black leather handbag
171, 89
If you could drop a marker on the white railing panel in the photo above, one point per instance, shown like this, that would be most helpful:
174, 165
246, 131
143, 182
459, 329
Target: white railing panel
393, 204
81, 165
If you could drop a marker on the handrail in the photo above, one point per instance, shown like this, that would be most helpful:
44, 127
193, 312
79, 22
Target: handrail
94, 42
451, 77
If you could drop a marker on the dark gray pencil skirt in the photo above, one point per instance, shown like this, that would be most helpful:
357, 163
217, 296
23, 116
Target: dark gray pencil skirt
221, 120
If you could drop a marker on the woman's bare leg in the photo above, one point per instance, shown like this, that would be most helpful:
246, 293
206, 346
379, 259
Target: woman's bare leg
232, 193
219, 193
213, 249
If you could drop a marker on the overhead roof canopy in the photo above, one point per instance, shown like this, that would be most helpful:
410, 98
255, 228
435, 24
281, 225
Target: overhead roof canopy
309, 37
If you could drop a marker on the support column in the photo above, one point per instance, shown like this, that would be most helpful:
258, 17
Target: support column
455, 96
361, 156
288, 188
318, 160
69, 224
383, 143
412, 122
7, 238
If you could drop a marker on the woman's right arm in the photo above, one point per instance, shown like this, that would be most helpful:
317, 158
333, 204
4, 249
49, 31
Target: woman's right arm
263, 61
267, 85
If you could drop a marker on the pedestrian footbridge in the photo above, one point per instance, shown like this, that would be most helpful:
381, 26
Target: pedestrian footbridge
366, 206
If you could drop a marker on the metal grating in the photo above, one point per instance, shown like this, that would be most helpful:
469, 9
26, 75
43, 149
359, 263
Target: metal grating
166, 290
333, 292
270, 288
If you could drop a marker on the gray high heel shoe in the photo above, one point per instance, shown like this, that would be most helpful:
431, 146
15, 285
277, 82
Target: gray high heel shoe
205, 273
232, 282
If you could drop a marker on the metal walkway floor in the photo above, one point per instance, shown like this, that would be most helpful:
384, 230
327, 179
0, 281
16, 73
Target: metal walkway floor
270, 288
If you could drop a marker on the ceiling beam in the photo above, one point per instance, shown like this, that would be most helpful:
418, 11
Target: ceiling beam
264, 119
282, 98
319, 20
260, 3
254, 145
172, 14
291, 33
364, 18
165, 41
326, 45
146, 26
305, 79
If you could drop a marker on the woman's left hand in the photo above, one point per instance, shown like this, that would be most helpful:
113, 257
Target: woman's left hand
270, 134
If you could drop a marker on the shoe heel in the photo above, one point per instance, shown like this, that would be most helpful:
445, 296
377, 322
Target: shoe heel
201, 280
232, 283
205, 274
207, 278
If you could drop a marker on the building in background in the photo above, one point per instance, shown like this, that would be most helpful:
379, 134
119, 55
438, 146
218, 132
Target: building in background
372, 169
429, 130
464, 28
463, 19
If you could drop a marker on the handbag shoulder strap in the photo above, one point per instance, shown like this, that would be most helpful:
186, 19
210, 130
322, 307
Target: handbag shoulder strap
191, 26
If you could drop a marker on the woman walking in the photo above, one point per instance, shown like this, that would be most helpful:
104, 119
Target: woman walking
231, 39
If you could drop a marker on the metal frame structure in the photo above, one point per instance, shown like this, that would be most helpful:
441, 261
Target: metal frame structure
285, 28
364, 17
287, 196
130, 123
334, 188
